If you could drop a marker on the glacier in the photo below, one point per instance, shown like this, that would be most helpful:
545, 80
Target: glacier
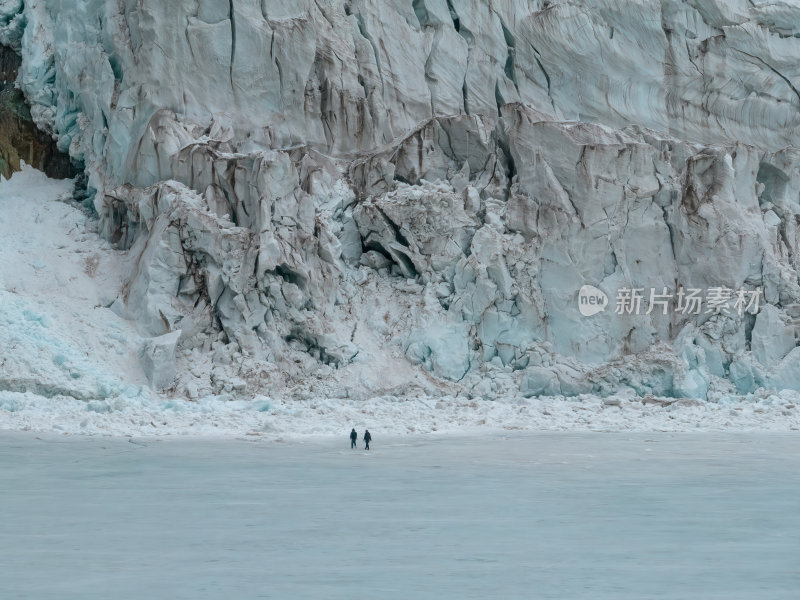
352, 199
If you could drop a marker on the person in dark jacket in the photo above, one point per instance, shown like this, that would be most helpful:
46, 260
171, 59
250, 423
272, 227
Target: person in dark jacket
353, 438
367, 439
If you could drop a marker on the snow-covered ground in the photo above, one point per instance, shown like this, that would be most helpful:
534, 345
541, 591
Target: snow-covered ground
546, 516
294, 418
57, 280
70, 364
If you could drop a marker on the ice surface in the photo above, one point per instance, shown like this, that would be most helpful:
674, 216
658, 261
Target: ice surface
596, 517
159, 359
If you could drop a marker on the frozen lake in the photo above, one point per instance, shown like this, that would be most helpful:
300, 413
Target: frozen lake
556, 515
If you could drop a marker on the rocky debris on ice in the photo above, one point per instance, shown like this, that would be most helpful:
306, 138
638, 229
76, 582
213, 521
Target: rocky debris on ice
361, 198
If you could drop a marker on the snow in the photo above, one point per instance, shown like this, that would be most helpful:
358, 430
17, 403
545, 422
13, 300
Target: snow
578, 516
274, 419
57, 278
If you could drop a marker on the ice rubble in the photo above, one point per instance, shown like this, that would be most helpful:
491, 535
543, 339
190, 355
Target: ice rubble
353, 198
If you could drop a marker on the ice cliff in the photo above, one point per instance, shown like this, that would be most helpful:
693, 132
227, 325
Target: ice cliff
353, 198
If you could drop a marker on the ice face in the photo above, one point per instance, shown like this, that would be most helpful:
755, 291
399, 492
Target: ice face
411, 187
351, 76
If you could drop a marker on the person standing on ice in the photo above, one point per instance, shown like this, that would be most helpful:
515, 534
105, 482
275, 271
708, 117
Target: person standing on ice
353, 438
367, 439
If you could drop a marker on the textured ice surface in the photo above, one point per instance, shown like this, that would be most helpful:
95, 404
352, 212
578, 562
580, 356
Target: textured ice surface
600, 517
69, 370
361, 199
57, 277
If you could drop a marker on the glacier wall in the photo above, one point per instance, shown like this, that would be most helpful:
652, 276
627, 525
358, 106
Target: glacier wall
397, 196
